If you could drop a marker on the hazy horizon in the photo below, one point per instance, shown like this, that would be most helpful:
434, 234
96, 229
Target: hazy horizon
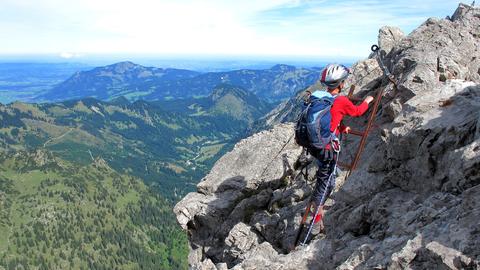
24, 78
192, 62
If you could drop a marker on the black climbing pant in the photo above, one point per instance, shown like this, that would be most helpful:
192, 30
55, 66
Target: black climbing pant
325, 179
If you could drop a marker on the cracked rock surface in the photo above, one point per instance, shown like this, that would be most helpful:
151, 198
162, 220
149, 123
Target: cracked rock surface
414, 200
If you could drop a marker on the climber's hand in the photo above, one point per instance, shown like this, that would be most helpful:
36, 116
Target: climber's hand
368, 99
347, 130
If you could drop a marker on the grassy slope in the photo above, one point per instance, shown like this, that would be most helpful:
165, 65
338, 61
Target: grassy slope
58, 216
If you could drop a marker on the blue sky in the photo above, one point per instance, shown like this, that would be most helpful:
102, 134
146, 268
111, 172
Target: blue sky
75, 29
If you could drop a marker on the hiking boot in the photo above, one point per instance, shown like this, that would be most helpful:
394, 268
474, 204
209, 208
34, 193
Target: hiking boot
318, 226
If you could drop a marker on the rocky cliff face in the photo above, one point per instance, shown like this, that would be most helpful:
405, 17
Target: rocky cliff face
414, 201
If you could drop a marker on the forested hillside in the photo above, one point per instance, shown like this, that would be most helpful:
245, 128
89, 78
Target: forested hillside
225, 100
57, 215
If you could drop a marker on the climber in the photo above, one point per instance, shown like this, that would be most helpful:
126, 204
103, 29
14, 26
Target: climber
333, 77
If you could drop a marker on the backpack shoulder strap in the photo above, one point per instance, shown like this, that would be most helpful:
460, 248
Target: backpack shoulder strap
304, 111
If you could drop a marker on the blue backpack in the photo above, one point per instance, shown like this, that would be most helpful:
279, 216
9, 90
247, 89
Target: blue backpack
313, 125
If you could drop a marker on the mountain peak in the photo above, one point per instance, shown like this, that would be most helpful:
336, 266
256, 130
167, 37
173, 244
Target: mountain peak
283, 67
121, 100
122, 67
237, 102
224, 89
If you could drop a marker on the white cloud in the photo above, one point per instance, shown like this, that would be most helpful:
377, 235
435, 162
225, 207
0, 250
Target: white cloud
197, 27
69, 55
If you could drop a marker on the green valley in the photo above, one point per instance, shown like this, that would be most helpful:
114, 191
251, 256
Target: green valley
169, 149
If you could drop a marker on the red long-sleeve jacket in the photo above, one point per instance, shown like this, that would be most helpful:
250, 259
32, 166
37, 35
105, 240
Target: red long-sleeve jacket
343, 106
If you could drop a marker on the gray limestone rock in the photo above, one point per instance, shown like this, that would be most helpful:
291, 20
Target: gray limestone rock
240, 240
412, 203
388, 37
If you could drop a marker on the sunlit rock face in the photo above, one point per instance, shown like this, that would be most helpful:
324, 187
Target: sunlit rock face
414, 200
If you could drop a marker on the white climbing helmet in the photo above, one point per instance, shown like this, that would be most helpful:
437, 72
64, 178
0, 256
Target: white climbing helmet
333, 75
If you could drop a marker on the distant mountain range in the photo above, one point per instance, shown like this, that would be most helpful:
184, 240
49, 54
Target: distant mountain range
138, 82
121, 79
169, 147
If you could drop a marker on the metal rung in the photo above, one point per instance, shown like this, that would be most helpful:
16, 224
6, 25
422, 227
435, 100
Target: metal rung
364, 135
344, 165
357, 132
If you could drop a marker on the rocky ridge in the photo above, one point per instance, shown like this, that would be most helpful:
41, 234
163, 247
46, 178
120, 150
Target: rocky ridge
414, 201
